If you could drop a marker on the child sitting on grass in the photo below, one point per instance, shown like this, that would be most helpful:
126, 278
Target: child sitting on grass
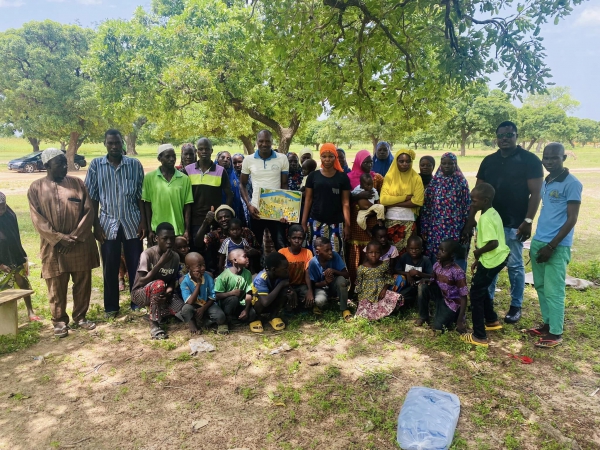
491, 256
328, 277
373, 279
233, 288
298, 259
414, 269
369, 206
448, 290
198, 292
233, 242
270, 294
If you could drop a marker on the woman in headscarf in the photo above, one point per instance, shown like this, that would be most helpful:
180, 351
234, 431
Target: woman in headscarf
382, 159
446, 208
295, 172
402, 195
327, 202
426, 166
224, 160
359, 238
342, 158
306, 154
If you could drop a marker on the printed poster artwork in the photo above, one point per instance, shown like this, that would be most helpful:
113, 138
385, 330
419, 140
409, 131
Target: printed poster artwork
277, 203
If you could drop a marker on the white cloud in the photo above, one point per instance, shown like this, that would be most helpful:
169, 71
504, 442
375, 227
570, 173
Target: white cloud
11, 3
589, 17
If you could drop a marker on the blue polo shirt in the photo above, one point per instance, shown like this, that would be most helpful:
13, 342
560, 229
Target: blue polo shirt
315, 270
207, 289
555, 196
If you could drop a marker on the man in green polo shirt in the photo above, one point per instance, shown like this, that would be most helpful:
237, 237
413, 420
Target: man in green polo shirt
167, 194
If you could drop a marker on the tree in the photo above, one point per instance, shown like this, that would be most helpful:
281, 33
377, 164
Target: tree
538, 124
44, 92
559, 96
588, 130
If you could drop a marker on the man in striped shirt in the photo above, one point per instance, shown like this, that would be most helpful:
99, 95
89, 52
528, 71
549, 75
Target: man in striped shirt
114, 183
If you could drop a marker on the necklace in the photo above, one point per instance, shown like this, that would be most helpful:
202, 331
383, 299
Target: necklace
551, 180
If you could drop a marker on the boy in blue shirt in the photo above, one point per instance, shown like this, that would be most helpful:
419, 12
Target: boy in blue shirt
198, 292
328, 277
551, 245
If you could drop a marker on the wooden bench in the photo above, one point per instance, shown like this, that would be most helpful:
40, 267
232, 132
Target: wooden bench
9, 322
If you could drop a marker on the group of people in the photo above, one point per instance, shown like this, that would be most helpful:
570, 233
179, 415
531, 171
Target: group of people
380, 235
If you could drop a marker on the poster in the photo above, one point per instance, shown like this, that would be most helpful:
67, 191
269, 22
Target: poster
274, 204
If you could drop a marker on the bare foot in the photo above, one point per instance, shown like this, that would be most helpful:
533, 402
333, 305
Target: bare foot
193, 328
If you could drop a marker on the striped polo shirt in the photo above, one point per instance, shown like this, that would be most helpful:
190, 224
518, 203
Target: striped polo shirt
207, 189
118, 191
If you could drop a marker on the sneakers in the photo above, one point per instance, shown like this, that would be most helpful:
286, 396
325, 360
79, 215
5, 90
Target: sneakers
513, 315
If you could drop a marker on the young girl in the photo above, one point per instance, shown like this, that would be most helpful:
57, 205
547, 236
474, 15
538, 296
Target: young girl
235, 241
373, 279
388, 252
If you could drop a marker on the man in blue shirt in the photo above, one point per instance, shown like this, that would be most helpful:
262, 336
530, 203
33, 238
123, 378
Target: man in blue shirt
551, 245
114, 183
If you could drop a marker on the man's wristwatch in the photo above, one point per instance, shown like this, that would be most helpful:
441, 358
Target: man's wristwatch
528, 220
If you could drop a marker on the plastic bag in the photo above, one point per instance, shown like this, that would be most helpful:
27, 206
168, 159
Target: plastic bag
428, 419
200, 345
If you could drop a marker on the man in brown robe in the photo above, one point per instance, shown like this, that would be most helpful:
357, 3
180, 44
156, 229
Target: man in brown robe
63, 214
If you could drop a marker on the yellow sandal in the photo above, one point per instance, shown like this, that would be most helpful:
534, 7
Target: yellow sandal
277, 324
347, 315
256, 326
468, 338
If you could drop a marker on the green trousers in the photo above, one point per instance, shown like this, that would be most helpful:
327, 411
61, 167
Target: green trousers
549, 282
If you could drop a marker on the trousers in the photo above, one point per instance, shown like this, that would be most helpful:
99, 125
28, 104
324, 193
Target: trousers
57, 293
482, 304
339, 287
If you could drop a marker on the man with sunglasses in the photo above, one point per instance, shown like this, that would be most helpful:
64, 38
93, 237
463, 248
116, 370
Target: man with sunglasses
517, 176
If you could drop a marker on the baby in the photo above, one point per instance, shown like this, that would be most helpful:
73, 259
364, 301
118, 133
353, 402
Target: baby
370, 206
308, 166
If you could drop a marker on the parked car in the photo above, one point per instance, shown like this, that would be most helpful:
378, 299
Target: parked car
33, 162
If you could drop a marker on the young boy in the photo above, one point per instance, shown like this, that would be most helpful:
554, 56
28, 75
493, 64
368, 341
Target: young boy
370, 206
198, 292
491, 256
182, 248
234, 286
416, 269
551, 245
233, 242
448, 289
270, 293
328, 276
298, 259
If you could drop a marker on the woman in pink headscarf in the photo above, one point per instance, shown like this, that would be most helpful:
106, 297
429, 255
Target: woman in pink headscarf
359, 238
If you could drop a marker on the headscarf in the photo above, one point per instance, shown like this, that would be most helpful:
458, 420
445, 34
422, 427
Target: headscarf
357, 171
345, 166
381, 166
306, 152
427, 178
397, 185
234, 182
447, 202
330, 148
50, 153
295, 176
11, 250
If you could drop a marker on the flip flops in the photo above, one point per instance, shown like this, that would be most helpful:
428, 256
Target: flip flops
256, 326
277, 324
523, 359
493, 326
347, 315
468, 338
317, 311
535, 332
548, 343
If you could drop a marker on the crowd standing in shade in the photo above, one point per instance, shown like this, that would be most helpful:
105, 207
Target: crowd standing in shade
245, 269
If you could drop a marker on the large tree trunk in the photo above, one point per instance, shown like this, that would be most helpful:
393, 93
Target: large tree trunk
130, 141
72, 148
538, 147
374, 141
35, 143
464, 135
248, 144
531, 144
286, 135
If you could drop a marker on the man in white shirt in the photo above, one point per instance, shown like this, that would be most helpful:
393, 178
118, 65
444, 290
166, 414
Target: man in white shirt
269, 170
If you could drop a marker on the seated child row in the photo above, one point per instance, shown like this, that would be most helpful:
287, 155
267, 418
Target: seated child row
294, 279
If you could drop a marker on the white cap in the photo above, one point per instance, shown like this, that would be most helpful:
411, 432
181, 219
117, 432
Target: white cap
50, 153
164, 147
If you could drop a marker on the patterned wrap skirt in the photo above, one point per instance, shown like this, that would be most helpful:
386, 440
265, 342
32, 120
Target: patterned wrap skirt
334, 233
399, 231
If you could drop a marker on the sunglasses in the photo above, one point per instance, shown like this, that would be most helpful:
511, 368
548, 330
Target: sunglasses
506, 135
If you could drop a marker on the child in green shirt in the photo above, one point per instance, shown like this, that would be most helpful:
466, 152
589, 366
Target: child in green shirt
234, 286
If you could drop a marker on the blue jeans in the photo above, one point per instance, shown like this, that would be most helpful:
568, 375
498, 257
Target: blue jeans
516, 269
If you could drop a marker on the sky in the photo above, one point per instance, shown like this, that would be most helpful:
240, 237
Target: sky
572, 49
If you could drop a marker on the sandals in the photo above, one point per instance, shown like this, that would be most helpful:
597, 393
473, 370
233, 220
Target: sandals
277, 324
256, 326
223, 329
317, 311
535, 332
493, 326
468, 338
86, 325
347, 315
548, 343
158, 334
61, 330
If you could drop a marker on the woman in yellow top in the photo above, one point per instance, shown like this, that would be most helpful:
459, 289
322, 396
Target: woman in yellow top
402, 195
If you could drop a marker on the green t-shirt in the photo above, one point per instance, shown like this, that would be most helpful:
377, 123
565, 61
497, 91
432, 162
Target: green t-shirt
228, 281
490, 228
168, 198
